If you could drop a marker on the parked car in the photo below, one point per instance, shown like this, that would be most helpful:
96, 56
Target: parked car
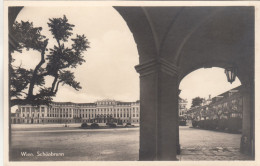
111, 125
94, 126
128, 125
84, 125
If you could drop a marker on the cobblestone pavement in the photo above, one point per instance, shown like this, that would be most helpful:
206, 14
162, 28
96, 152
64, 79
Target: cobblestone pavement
197, 144
218, 153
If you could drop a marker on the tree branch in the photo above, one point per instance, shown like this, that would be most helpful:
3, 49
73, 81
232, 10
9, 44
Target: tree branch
34, 77
57, 87
54, 83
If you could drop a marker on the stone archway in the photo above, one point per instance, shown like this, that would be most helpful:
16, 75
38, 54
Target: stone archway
172, 42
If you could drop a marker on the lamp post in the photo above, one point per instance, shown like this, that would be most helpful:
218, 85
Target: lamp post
231, 73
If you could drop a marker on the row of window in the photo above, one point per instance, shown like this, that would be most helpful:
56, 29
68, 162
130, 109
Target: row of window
98, 109
33, 109
81, 115
90, 115
38, 115
69, 109
91, 112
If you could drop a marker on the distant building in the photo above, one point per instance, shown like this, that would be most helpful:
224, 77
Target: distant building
102, 111
207, 101
226, 105
182, 106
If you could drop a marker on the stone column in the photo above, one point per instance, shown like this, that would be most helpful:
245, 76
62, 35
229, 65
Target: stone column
158, 110
40, 111
30, 115
72, 113
20, 108
247, 139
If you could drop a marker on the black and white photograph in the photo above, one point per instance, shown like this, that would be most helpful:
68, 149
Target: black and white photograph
118, 82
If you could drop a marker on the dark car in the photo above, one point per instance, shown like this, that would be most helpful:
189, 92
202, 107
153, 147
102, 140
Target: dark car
111, 125
94, 126
84, 125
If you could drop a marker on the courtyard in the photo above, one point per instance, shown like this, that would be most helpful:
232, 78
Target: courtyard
41, 143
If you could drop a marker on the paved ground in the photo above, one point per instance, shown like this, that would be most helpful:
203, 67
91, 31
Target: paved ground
197, 144
77, 145
120, 144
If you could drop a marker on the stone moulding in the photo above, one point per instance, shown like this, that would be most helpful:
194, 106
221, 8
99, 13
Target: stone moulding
156, 65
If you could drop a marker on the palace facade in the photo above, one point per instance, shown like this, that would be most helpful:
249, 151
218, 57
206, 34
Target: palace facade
224, 106
183, 107
103, 111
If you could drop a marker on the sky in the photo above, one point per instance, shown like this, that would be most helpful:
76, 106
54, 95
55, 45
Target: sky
204, 82
108, 72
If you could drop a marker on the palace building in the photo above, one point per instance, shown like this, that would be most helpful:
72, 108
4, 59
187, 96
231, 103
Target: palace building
183, 107
224, 106
102, 111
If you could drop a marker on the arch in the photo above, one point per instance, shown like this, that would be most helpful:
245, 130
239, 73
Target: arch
219, 64
146, 41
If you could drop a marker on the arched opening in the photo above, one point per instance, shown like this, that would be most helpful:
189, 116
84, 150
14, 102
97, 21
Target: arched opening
210, 115
110, 88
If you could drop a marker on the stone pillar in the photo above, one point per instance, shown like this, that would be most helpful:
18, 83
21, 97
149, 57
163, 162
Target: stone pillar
40, 111
30, 115
247, 142
21, 108
158, 110
72, 113
40, 116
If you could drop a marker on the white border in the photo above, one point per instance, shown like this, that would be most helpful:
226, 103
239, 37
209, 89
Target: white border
136, 3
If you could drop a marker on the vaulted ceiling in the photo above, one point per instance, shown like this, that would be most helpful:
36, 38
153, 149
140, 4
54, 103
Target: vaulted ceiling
194, 37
